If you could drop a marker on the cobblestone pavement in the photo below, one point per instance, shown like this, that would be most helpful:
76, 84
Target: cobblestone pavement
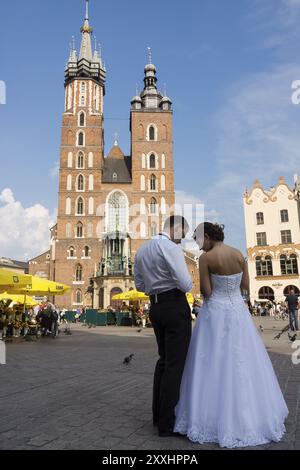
73, 392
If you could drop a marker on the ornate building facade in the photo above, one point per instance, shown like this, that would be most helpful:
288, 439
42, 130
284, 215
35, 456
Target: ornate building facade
107, 205
273, 239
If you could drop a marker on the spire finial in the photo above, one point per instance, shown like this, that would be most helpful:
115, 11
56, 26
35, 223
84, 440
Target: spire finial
116, 142
150, 54
73, 43
87, 10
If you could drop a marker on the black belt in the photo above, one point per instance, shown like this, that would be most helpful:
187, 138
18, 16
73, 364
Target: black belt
172, 294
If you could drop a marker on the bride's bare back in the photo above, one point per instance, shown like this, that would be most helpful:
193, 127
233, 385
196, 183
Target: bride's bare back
223, 260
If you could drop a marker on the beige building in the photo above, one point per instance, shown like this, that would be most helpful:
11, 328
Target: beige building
273, 239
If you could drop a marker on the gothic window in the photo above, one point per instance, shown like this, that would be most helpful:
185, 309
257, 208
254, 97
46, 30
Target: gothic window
82, 93
68, 206
264, 266
78, 297
79, 230
288, 265
81, 119
153, 183
80, 183
68, 230
86, 251
70, 160
163, 205
153, 229
152, 161
284, 215
153, 206
91, 205
117, 212
286, 236
152, 133
81, 139
260, 218
91, 160
71, 252
80, 160
163, 182
163, 161
69, 182
78, 274
91, 182
143, 161
115, 177
80, 206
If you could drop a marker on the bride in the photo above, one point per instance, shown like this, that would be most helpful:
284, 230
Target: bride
229, 392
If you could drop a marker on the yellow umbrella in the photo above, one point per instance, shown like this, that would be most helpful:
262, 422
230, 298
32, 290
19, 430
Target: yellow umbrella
38, 286
122, 296
136, 295
190, 297
19, 299
12, 280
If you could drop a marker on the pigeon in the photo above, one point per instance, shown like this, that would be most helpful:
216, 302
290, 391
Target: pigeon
128, 359
139, 330
292, 338
261, 328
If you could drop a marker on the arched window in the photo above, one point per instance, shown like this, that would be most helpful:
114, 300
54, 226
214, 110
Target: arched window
91, 205
71, 252
68, 230
153, 229
80, 160
81, 139
152, 161
153, 183
86, 251
289, 265
152, 133
143, 161
70, 160
153, 206
288, 289
78, 297
163, 205
91, 182
266, 292
81, 121
163, 183
80, 183
264, 266
78, 273
91, 160
163, 161
82, 94
68, 206
80, 206
117, 212
79, 230
69, 183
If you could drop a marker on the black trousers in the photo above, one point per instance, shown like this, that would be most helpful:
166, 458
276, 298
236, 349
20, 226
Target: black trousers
172, 325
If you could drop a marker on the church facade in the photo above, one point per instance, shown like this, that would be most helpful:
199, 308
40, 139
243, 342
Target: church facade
107, 205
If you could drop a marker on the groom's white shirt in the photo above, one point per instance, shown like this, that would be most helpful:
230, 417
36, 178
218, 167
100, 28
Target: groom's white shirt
160, 266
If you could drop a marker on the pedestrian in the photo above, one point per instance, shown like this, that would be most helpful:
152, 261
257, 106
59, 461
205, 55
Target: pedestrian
292, 304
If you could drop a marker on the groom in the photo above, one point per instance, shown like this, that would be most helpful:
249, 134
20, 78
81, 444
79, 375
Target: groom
160, 271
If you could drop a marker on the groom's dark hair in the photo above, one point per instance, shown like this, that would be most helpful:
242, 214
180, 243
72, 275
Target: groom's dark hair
174, 221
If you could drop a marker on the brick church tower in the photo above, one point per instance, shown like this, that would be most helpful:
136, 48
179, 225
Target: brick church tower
107, 205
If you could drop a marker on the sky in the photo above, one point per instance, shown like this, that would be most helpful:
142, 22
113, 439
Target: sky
228, 67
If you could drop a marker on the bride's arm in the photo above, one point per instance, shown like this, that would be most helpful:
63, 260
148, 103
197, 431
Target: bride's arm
205, 283
245, 283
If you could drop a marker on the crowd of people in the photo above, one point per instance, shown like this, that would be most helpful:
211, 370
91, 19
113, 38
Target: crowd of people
15, 321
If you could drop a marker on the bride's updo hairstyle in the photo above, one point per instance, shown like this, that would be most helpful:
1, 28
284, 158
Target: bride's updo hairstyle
214, 231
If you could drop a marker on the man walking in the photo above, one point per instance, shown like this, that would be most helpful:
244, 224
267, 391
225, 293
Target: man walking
161, 272
292, 303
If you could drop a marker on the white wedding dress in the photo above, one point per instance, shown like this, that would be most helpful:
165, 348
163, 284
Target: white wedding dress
229, 392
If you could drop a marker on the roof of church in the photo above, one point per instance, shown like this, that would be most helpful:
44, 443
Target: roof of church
116, 152
116, 168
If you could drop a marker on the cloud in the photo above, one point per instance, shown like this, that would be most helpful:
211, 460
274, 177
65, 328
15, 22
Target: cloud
24, 231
